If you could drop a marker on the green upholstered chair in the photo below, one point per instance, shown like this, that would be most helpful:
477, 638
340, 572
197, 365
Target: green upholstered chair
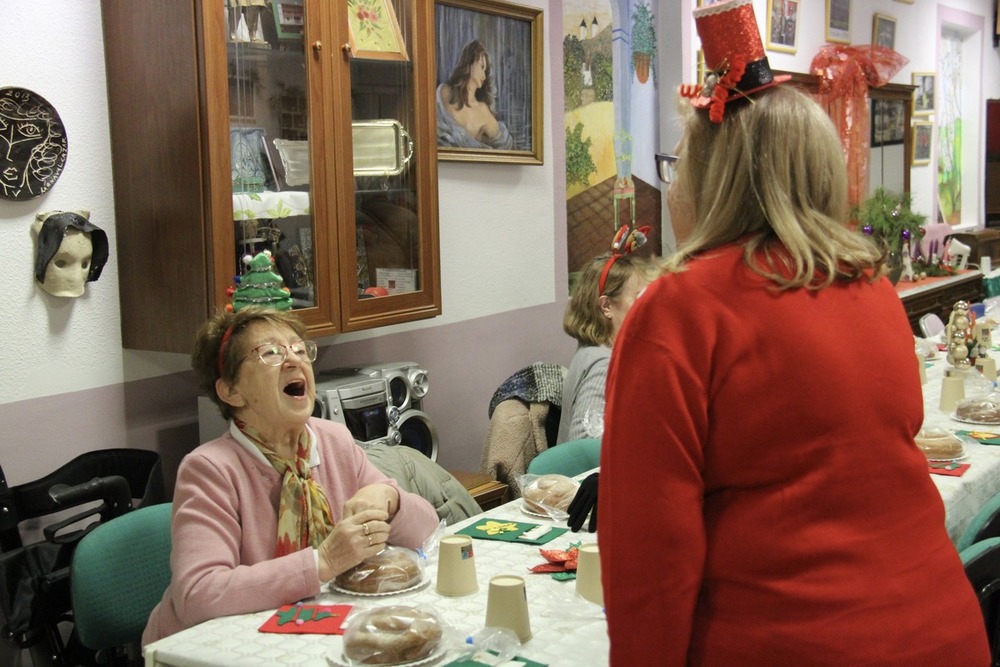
569, 458
982, 567
985, 524
119, 573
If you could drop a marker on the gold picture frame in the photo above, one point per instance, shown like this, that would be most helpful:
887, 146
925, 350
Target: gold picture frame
782, 25
923, 143
511, 39
925, 94
884, 31
838, 21
374, 31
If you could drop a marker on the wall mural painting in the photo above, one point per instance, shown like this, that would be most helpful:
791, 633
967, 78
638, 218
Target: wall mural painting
949, 123
611, 124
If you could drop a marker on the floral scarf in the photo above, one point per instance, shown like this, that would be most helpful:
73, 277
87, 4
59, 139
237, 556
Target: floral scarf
304, 517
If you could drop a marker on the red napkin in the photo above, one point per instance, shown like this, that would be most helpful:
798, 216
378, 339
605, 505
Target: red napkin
945, 468
308, 619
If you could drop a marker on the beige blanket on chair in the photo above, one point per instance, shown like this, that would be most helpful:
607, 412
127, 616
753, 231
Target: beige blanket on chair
515, 436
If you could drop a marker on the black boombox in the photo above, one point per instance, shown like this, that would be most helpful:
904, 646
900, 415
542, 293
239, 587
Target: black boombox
379, 404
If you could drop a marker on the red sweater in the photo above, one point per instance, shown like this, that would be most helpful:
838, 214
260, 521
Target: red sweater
761, 498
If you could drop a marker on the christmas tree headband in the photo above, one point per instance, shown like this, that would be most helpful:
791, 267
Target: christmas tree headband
625, 242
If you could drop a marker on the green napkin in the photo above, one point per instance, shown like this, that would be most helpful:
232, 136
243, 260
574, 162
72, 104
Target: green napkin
489, 658
508, 531
985, 437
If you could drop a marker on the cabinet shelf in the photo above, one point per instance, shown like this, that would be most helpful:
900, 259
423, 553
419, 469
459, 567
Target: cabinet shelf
269, 204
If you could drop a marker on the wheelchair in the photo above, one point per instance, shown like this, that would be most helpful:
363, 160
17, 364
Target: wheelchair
66, 504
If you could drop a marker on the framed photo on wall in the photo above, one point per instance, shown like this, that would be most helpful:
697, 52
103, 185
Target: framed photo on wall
488, 92
923, 96
782, 25
887, 122
884, 31
923, 135
838, 21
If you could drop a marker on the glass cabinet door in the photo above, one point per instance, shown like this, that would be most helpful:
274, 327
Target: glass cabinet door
389, 55
268, 69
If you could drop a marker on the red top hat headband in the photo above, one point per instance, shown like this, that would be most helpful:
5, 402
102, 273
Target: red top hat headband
624, 243
734, 57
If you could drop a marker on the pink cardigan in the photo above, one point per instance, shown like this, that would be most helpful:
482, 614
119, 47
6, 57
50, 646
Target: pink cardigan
224, 529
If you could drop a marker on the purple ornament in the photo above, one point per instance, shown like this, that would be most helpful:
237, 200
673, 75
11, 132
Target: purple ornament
867, 229
906, 234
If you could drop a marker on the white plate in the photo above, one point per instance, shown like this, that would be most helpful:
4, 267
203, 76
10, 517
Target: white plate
337, 589
539, 515
336, 658
951, 460
970, 421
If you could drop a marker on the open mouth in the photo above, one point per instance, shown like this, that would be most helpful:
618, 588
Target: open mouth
296, 388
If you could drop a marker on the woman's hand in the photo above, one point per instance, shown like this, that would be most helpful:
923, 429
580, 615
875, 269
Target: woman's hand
354, 538
374, 496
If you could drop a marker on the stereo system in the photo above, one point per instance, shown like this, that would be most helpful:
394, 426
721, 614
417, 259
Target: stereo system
379, 404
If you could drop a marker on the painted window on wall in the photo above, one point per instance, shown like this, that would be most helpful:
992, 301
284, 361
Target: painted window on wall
949, 180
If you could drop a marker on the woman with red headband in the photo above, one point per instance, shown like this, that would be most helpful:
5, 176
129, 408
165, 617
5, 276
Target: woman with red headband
605, 290
268, 512
762, 500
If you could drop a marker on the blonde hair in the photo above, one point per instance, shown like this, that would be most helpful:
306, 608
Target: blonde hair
773, 172
583, 319
205, 360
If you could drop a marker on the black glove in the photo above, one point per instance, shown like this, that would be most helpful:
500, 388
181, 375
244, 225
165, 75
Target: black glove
584, 502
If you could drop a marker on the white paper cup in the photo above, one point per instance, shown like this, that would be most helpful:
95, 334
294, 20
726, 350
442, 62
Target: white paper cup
952, 391
988, 367
456, 572
588, 574
922, 367
985, 264
507, 605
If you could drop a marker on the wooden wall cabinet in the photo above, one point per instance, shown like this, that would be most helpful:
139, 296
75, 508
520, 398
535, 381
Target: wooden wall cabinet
345, 199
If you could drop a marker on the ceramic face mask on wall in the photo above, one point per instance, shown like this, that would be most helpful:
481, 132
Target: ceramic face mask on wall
71, 252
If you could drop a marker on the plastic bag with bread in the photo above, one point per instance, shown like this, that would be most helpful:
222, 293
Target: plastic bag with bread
549, 495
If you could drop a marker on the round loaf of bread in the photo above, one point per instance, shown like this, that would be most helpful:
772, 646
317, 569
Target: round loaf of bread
549, 492
980, 411
392, 636
937, 443
393, 569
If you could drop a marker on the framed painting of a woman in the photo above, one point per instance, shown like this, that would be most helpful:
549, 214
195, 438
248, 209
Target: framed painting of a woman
489, 81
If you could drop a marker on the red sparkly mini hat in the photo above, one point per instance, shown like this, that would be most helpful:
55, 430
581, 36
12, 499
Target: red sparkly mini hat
734, 57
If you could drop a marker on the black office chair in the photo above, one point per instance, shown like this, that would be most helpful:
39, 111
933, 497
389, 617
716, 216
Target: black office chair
67, 503
982, 567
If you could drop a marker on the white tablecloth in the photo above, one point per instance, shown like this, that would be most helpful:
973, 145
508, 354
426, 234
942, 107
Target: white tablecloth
567, 630
962, 496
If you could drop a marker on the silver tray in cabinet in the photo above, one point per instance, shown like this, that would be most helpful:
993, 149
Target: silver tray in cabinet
381, 148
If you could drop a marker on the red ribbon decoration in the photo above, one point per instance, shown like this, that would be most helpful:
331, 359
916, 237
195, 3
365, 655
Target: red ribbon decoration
846, 73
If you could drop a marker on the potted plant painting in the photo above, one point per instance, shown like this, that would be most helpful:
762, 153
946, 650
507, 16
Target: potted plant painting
643, 41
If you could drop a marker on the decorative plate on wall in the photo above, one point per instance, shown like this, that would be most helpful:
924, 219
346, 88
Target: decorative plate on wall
32, 144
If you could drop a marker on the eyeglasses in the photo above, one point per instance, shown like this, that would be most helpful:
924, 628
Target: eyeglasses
666, 167
274, 354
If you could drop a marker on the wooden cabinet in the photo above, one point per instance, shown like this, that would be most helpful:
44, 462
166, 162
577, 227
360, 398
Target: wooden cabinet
938, 296
239, 126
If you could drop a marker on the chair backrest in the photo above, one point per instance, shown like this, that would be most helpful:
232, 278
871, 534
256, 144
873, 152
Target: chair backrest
985, 524
982, 567
957, 253
931, 325
568, 458
119, 573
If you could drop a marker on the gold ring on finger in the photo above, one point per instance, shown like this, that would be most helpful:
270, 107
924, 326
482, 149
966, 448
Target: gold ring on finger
367, 531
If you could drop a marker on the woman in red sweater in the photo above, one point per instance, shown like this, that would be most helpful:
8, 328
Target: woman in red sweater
762, 501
